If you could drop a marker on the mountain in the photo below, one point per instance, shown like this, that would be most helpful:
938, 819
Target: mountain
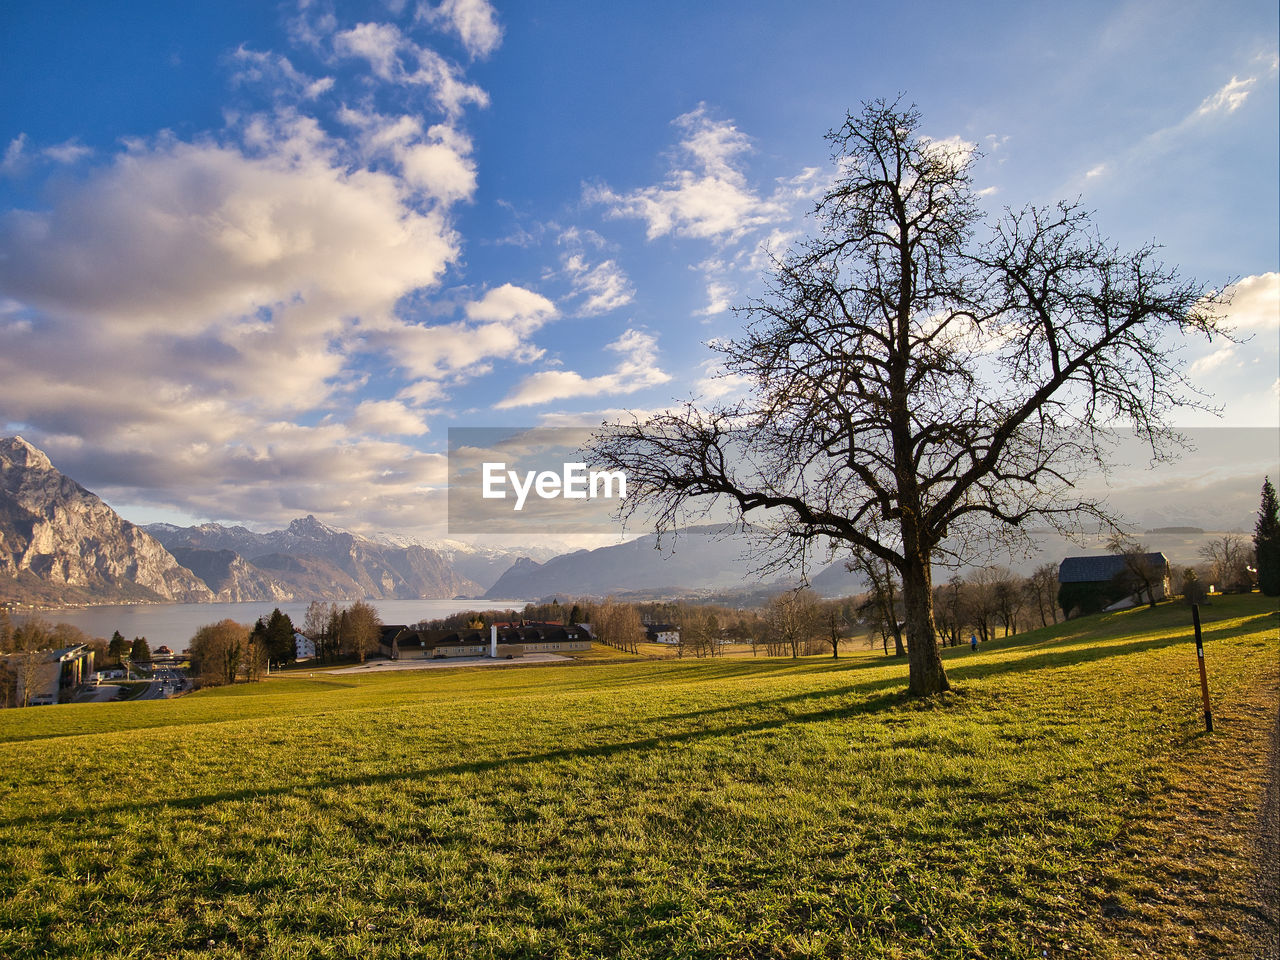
231, 577
59, 542
483, 564
700, 560
310, 560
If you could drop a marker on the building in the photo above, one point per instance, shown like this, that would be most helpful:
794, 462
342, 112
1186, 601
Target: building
662, 633
1112, 581
304, 648
504, 640
48, 676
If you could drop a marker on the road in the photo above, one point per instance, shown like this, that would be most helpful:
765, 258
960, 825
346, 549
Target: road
166, 681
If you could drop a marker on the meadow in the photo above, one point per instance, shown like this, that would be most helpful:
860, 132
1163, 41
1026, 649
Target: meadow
1064, 801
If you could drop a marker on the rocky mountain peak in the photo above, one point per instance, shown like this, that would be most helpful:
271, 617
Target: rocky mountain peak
59, 539
16, 452
309, 528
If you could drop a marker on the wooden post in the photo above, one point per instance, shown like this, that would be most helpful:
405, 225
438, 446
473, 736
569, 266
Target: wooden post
1204, 680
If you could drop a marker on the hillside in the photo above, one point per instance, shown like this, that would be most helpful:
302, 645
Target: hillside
1063, 802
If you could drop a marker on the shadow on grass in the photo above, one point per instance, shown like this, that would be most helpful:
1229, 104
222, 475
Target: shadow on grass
873, 704
1078, 650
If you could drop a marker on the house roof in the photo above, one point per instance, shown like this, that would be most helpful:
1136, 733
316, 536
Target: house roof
1102, 569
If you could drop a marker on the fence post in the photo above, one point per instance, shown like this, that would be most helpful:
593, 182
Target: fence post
1204, 679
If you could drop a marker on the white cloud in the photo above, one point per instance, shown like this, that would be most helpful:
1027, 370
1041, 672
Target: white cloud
437, 163
709, 198
182, 235
378, 43
719, 298
716, 383
511, 304
14, 155
1254, 312
603, 286
637, 369
277, 73
473, 20
1255, 304
387, 418
387, 52
67, 153
1228, 99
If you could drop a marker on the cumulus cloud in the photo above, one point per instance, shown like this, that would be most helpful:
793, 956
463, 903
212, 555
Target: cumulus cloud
276, 73
1254, 312
399, 60
474, 21
637, 369
706, 197
436, 162
184, 234
498, 325
387, 418
603, 286
719, 298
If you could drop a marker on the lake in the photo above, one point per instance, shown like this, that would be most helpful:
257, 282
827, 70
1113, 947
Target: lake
174, 624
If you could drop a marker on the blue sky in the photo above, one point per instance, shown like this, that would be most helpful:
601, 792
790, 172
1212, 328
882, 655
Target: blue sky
255, 259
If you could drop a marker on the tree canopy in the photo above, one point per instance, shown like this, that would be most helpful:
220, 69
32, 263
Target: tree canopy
923, 376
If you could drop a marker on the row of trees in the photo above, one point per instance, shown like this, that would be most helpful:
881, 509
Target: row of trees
225, 651
349, 632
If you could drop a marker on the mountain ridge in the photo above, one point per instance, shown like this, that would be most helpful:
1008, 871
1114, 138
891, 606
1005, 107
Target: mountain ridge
58, 540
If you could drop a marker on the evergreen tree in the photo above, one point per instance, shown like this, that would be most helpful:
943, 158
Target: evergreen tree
1266, 541
119, 648
140, 651
279, 637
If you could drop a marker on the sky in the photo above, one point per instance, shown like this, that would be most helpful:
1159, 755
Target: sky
256, 259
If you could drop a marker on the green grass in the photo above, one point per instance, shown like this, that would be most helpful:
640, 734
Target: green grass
730, 808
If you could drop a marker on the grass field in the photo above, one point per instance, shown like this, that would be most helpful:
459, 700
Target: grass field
1065, 801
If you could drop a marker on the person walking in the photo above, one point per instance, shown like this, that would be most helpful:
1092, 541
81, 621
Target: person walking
973, 641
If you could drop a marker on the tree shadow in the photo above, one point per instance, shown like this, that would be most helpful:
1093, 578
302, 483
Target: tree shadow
497, 764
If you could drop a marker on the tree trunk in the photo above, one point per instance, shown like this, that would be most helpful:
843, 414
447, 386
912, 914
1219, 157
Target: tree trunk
925, 672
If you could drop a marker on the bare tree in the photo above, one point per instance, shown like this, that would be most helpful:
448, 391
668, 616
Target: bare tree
699, 631
831, 615
793, 618
218, 651
1229, 556
1007, 593
948, 609
915, 364
31, 640
981, 602
1140, 573
364, 627
1042, 591
877, 573
617, 624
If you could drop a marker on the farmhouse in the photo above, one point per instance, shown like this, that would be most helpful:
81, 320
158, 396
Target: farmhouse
662, 633
1089, 584
503, 640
